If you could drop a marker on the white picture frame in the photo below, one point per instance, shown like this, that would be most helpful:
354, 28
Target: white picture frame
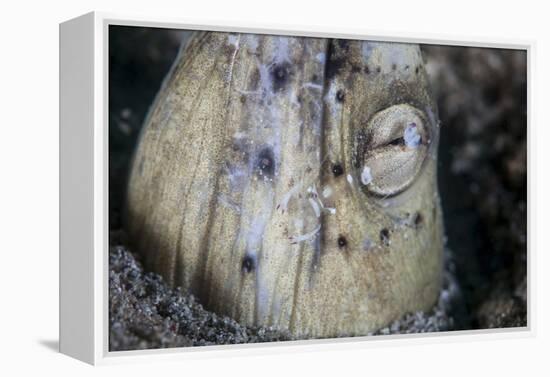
84, 187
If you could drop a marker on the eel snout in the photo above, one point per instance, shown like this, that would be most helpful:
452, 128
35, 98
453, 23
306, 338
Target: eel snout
291, 182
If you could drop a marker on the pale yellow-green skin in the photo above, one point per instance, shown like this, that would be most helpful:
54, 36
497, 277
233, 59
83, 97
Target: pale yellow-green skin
207, 217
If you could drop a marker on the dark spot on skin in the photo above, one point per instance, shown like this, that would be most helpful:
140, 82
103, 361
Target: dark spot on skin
378, 69
280, 73
393, 67
417, 69
355, 69
342, 242
299, 99
243, 98
337, 170
266, 162
248, 264
385, 236
340, 95
418, 220
366, 70
314, 78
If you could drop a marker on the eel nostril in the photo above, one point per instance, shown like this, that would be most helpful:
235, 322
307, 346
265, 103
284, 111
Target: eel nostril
337, 170
342, 242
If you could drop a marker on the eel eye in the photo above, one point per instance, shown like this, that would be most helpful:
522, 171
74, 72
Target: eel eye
396, 144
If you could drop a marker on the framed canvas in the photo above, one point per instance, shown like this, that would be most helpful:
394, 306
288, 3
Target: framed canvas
233, 188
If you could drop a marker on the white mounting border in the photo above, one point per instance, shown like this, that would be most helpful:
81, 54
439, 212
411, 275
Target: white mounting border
83, 198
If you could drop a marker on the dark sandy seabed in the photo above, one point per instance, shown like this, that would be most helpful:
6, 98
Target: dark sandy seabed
481, 94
